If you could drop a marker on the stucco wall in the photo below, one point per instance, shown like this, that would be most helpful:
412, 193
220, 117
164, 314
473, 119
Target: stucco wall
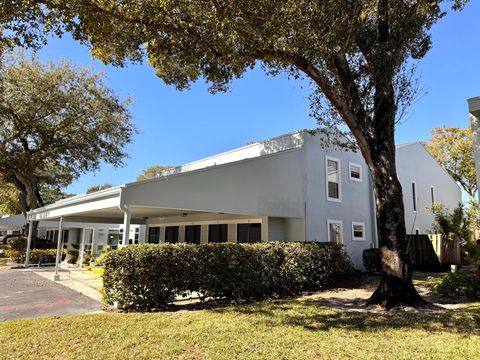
356, 198
414, 163
270, 185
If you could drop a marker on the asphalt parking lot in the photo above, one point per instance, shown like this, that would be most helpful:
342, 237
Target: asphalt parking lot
24, 294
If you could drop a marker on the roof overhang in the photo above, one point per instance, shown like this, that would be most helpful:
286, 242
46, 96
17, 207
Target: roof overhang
105, 206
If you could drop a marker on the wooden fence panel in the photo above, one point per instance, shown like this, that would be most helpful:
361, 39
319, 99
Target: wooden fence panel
448, 251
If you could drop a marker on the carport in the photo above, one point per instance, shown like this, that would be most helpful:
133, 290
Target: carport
250, 191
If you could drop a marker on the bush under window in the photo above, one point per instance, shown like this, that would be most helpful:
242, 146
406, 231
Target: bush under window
150, 276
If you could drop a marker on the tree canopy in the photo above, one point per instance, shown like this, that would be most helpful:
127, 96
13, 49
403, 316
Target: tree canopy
453, 149
356, 53
153, 172
57, 122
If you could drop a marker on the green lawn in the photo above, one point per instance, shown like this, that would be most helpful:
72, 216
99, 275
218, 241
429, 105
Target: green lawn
301, 328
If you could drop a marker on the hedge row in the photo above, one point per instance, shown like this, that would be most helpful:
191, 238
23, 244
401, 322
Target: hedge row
48, 256
151, 276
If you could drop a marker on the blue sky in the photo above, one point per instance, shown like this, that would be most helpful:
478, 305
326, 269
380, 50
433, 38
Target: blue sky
178, 127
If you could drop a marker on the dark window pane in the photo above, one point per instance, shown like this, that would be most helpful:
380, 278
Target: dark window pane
192, 234
153, 235
355, 172
171, 234
333, 190
249, 233
414, 194
218, 233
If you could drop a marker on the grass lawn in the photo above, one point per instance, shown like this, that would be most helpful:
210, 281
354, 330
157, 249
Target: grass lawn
302, 328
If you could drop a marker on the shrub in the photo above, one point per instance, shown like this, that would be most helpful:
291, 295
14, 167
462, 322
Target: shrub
14, 255
151, 276
371, 260
48, 256
460, 283
19, 246
72, 255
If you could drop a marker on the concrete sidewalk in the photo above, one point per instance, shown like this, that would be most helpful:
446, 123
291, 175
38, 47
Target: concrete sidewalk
83, 281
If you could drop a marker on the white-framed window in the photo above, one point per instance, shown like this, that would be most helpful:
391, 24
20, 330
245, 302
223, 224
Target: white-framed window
358, 231
355, 172
414, 195
333, 179
335, 231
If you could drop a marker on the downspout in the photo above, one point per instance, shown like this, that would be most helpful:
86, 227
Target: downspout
126, 217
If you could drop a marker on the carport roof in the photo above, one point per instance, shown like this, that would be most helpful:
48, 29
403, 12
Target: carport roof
104, 206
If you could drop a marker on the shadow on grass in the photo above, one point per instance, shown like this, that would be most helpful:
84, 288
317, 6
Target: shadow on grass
318, 315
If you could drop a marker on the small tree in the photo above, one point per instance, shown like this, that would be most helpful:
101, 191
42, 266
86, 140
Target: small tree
455, 225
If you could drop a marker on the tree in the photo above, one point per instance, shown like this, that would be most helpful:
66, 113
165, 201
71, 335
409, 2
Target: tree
355, 53
453, 149
56, 122
10, 205
153, 172
96, 188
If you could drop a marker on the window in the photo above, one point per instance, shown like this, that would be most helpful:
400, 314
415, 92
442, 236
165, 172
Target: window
171, 234
333, 179
218, 233
414, 195
114, 238
358, 231
355, 172
249, 233
154, 235
192, 234
335, 231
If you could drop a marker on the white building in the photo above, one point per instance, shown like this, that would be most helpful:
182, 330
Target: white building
89, 238
290, 188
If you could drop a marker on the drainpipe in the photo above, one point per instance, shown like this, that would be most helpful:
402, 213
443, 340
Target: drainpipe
127, 216
56, 275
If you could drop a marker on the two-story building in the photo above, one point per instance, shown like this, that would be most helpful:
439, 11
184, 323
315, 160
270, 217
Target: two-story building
289, 188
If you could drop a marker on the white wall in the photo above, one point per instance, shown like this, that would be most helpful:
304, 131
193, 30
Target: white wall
414, 163
356, 198
270, 185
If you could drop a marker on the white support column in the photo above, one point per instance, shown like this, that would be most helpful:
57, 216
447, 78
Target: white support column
92, 248
29, 243
56, 275
81, 248
264, 225
127, 216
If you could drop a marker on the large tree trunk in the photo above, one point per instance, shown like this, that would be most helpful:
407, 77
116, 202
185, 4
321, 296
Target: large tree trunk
396, 287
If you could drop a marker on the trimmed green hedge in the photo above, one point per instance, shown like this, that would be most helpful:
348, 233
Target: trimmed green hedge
151, 276
48, 255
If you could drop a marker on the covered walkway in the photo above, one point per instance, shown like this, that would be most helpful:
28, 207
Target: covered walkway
191, 207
